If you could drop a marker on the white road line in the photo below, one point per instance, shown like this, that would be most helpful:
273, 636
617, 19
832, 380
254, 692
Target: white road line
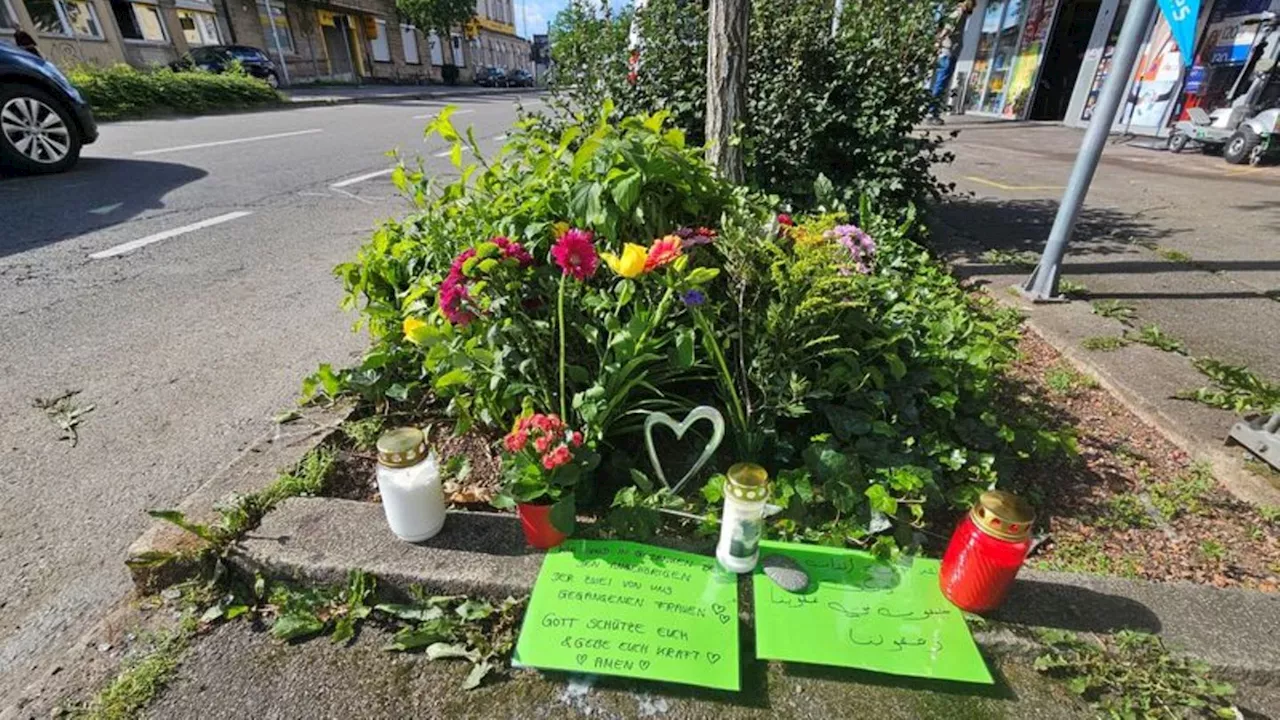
431, 115
445, 153
106, 209
236, 141
362, 178
143, 242
499, 137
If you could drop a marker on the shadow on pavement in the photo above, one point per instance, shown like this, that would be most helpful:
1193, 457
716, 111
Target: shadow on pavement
1069, 607
97, 193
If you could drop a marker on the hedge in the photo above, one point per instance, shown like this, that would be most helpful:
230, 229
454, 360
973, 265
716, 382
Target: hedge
122, 91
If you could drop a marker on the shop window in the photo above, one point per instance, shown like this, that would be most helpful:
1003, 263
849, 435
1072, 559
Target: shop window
64, 17
280, 30
199, 28
138, 21
409, 39
381, 47
458, 58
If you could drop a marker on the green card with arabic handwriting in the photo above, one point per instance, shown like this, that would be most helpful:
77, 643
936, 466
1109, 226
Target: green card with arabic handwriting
864, 613
621, 608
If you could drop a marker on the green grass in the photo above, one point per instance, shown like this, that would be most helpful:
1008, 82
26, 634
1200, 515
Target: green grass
1270, 513
364, 432
1152, 335
1126, 511
1133, 675
141, 678
1062, 379
1104, 343
1020, 259
1184, 494
1213, 550
1070, 288
1173, 255
1113, 309
1234, 387
1088, 557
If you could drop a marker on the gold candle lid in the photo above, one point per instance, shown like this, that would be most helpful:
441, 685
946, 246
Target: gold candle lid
748, 481
1003, 515
402, 447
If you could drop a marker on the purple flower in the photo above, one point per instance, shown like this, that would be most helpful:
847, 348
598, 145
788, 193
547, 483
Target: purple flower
693, 298
861, 247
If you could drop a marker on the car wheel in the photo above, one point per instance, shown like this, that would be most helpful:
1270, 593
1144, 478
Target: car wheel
1177, 142
37, 133
1240, 146
272, 80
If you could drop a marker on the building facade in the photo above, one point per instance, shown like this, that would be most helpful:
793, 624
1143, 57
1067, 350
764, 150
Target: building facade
340, 40
1047, 60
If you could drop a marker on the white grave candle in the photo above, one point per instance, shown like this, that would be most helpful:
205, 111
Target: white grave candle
409, 481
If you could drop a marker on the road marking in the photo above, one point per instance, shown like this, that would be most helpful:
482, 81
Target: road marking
106, 209
1002, 186
432, 115
362, 178
500, 137
237, 141
132, 245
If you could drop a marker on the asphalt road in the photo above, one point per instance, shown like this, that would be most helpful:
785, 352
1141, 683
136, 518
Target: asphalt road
179, 278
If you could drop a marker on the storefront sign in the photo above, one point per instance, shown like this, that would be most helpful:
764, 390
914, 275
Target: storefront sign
622, 608
325, 18
860, 612
1182, 16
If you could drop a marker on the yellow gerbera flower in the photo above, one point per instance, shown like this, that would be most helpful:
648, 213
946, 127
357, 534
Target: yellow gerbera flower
632, 262
411, 326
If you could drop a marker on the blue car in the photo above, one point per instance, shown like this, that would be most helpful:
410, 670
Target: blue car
43, 119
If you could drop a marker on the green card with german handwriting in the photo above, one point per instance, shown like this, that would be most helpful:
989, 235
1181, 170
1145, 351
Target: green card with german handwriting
621, 608
860, 612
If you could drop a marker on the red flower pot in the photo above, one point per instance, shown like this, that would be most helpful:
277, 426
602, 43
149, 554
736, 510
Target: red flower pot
535, 520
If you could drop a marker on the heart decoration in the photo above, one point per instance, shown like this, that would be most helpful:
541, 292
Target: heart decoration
702, 412
644, 665
713, 657
582, 658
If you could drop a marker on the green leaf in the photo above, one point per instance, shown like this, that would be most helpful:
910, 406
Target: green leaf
625, 290
702, 275
474, 610
343, 629
627, 191
296, 624
684, 348
179, 518
563, 514
477, 675
641, 480
439, 651
412, 613
455, 154
451, 378
412, 638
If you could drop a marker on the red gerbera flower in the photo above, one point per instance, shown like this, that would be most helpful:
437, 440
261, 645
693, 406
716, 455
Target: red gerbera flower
575, 253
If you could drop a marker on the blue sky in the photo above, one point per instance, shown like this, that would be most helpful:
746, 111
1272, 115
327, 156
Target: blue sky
539, 12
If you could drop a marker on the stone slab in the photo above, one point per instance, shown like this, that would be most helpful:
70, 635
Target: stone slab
320, 540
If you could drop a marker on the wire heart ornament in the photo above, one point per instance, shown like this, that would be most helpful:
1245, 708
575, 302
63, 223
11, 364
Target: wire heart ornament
700, 413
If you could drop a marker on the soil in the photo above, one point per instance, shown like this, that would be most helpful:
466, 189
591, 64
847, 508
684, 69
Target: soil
469, 481
1132, 503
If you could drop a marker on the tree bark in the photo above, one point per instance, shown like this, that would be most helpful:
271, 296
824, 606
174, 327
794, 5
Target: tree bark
726, 84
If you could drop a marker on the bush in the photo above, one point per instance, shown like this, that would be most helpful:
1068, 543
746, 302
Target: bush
850, 364
122, 91
844, 107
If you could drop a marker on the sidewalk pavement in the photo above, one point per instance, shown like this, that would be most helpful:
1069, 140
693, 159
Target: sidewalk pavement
1187, 240
345, 94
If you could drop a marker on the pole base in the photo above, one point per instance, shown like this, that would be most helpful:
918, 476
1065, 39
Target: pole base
1258, 434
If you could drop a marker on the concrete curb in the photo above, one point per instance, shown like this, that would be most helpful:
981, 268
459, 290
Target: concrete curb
253, 469
318, 541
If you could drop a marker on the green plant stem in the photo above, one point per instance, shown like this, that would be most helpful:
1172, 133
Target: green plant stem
560, 322
739, 416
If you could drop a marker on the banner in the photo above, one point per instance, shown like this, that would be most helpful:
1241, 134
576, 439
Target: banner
1183, 15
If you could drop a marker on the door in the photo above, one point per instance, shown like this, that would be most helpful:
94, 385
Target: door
335, 44
1066, 54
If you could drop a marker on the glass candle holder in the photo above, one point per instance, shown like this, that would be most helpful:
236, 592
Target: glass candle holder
410, 485
986, 551
742, 522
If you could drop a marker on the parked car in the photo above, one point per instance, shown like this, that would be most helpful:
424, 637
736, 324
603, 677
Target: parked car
491, 77
220, 58
44, 121
519, 78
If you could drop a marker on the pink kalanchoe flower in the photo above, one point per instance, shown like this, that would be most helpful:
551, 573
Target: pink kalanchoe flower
453, 301
556, 458
575, 253
576, 439
512, 249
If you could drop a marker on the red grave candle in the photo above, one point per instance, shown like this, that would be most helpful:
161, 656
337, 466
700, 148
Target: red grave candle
986, 552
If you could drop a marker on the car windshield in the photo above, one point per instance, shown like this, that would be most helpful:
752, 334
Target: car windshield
244, 53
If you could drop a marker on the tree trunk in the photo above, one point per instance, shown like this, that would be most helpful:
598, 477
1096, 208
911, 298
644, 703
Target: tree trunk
726, 84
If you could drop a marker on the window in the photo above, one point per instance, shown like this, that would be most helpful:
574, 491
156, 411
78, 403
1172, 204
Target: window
64, 17
199, 28
458, 58
138, 21
381, 47
281, 26
437, 54
409, 38
248, 54
6, 16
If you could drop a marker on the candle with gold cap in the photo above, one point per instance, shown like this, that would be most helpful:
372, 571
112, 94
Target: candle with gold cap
986, 551
409, 482
742, 522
